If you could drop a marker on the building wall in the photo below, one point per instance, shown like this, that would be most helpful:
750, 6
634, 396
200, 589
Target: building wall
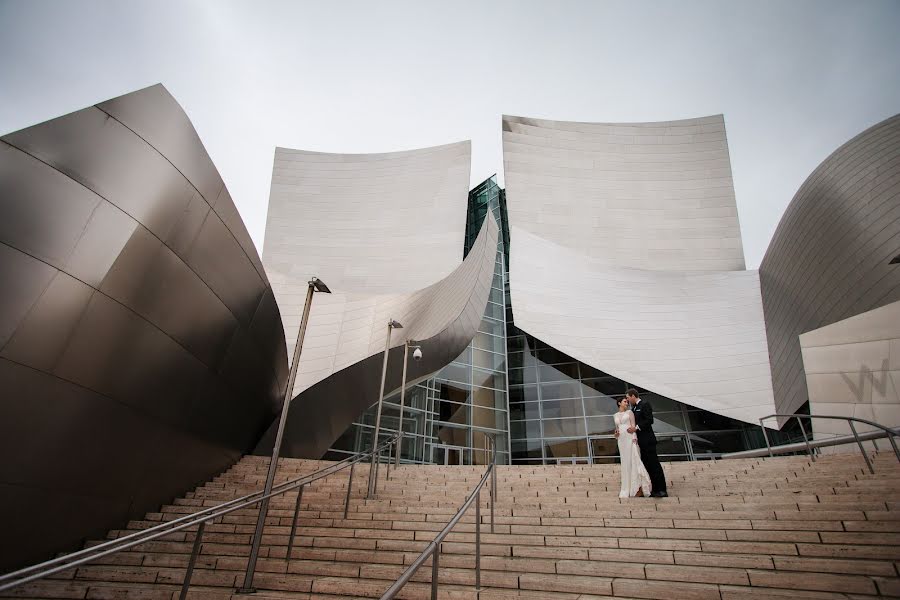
853, 369
466, 399
141, 349
626, 255
365, 224
442, 318
655, 196
829, 258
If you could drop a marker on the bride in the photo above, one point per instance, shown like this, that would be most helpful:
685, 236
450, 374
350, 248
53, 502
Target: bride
635, 480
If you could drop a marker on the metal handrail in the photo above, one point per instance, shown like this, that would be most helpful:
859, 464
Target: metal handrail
792, 447
434, 547
56, 565
890, 433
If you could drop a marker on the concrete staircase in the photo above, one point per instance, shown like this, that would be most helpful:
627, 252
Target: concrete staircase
731, 530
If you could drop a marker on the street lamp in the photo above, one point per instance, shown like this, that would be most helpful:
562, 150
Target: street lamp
315, 285
417, 356
392, 325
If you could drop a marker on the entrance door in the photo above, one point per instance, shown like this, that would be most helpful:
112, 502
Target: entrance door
448, 455
604, 449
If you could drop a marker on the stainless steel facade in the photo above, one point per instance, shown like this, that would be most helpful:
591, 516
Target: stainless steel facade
447, 416
141, 348
830, 256
442, 318
626, 256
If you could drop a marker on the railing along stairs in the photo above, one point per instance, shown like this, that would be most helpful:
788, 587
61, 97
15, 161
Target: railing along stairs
198, 520
881, 431
433, 549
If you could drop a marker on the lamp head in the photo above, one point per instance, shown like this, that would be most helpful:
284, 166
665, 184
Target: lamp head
394, 324
319, 285
417, 354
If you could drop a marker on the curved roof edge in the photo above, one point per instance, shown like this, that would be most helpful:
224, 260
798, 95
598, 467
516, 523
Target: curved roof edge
375, 155
549, 123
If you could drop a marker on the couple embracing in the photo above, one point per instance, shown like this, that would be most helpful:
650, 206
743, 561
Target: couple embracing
641, 472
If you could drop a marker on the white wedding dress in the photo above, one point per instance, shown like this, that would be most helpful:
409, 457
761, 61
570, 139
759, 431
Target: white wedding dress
634, 474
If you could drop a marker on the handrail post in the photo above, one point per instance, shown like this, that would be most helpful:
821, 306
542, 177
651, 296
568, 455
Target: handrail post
805, 439
193, 560
493, 479
376, 456
199, 520
861, 449
766, 437
390, 454
435, 557
349, 486
294, 523
478, 540
894, 445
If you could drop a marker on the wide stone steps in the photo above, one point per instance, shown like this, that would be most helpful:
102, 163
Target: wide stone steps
782, 527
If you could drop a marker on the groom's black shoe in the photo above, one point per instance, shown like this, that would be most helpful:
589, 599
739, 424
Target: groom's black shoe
659, 495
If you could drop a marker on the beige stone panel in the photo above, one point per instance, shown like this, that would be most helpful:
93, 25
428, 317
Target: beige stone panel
850, 371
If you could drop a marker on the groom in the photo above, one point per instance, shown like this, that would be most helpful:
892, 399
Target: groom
643, 420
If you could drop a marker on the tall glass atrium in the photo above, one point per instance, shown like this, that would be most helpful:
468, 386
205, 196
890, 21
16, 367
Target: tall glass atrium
543, 406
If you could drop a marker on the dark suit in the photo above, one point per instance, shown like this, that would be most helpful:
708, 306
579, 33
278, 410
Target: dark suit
643, 419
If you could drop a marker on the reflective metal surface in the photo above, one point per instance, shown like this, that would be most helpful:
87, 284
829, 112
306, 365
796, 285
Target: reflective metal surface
830, 256
626, 255
442, 318
141, 349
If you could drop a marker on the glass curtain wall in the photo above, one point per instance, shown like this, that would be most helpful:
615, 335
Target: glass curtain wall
447, 417
544, 406
561, 411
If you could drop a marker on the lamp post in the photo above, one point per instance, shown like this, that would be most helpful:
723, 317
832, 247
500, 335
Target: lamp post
392, 325
315, 285
417, 355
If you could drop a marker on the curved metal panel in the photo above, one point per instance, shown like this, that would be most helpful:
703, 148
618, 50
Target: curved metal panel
141, 349
626, 254
655, 196
365, 224
696, 337
830, 256
442, 318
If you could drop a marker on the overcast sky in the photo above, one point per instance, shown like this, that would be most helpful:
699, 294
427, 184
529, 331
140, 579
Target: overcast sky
794, 79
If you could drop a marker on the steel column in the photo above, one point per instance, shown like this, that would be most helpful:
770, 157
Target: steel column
402, 402
373, 472
247, 588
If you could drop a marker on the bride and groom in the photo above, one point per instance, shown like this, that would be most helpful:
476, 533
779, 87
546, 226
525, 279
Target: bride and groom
641, 472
